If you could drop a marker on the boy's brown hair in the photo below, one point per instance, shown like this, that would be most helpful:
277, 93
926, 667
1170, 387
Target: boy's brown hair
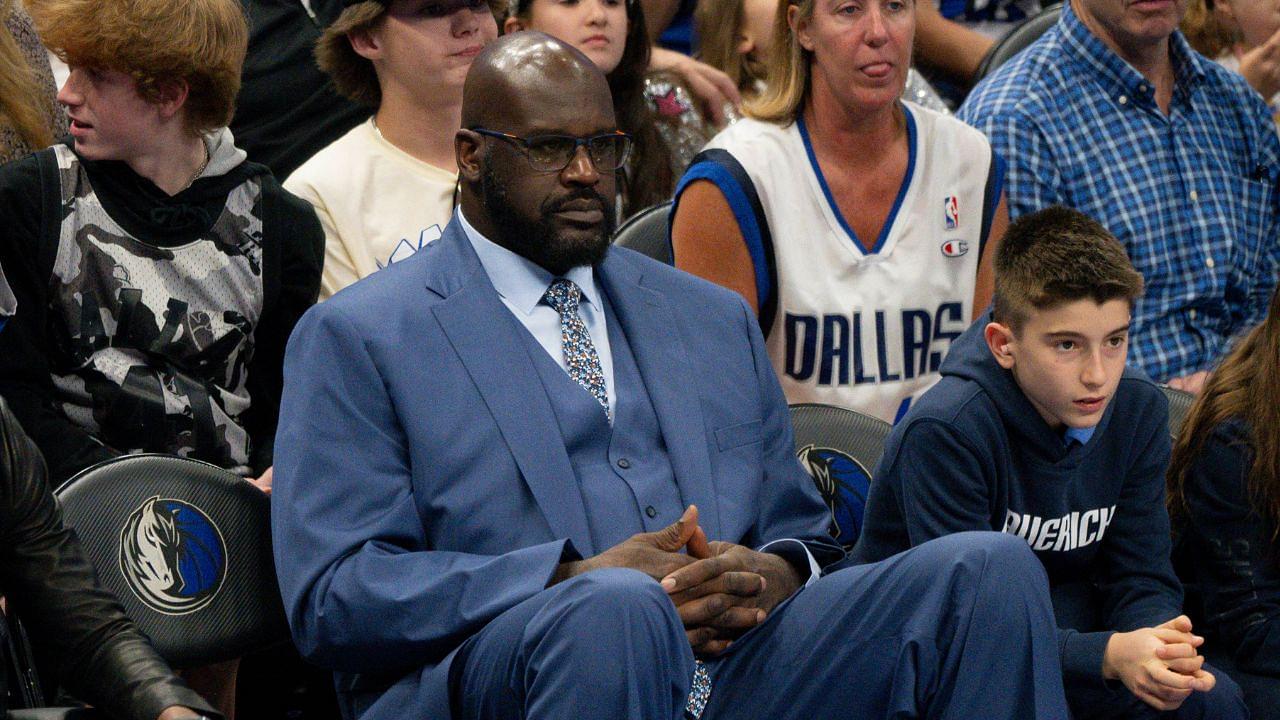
199, 42
1056, 256
353, 74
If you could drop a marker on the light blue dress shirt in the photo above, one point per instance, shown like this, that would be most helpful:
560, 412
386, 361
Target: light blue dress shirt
1080, 435
521, 284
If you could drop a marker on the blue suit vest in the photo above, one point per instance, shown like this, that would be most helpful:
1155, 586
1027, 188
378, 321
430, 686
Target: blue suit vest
622, 472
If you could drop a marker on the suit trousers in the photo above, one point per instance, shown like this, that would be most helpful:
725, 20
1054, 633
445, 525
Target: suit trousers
959, 627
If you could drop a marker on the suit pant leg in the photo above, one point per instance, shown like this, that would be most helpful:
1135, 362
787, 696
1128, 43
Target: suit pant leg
960, 627
605, 644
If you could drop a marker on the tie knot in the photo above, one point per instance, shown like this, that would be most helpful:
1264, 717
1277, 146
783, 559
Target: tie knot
563, 295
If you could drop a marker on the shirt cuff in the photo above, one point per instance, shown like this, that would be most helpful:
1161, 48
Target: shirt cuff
789, 553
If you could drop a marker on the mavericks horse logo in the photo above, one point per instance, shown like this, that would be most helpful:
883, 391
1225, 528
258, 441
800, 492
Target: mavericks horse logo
172, 556
844, 483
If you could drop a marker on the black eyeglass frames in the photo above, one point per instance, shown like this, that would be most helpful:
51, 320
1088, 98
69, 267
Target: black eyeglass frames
553, 153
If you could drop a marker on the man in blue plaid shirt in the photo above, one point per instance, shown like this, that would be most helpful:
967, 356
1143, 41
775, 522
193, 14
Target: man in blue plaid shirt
1112, 113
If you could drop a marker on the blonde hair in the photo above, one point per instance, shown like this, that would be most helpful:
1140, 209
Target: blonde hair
21, 97
787, 75
353, 74
201, 43
717, 26
1205, 32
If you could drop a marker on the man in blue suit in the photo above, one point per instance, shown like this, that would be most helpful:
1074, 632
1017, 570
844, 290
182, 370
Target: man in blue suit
501, 462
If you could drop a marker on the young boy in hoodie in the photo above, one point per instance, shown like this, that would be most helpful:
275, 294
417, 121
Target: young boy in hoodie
158, 273
1038, 429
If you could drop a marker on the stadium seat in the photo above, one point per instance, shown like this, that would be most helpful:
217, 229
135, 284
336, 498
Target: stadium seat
1179, 403
648, 233
1017, 40
839, 448
185, 547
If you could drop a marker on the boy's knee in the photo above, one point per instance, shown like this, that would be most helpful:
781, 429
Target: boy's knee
1224, 702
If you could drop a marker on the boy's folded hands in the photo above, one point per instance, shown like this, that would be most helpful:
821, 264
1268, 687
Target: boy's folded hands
1161, 665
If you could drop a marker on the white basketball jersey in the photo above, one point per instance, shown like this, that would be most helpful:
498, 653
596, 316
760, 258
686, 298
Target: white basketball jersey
848, 327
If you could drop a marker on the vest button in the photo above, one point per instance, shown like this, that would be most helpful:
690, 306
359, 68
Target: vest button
651, 511
624, 464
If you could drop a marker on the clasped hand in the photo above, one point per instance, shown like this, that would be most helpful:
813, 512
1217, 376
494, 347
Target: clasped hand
1161, 665
720, 589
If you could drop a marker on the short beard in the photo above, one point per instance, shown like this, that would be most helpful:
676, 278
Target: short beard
538, 241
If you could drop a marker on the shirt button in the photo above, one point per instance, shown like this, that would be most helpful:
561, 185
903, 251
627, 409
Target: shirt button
624, 464
1208, 262
651, 511
1123, 100
1194, 196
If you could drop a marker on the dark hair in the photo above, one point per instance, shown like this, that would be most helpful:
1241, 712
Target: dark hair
1245, 386
1055, 256
648, 178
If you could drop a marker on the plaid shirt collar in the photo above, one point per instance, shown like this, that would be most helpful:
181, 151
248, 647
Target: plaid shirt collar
1117, 77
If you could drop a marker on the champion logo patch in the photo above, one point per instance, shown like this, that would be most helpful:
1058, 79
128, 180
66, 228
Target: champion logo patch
951, 212
955, 248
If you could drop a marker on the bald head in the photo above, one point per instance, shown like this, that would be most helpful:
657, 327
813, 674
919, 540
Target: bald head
525, 75
529, 86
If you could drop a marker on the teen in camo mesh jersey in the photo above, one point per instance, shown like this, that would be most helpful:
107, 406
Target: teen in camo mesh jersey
159, 272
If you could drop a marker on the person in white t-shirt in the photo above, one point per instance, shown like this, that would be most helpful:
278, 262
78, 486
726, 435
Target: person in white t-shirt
386, 188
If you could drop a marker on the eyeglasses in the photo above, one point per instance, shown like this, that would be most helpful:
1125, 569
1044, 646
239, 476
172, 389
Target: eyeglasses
553, 153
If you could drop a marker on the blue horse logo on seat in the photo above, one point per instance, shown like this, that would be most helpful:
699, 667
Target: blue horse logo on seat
843, 483
172, 556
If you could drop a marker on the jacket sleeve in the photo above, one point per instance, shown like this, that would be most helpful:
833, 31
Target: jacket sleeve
27, 248
363, 589
294, 256
101, 656
943, 482
1234, 554
1136, 581
791, 507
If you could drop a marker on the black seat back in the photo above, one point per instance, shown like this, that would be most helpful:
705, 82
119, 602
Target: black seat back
1180, 402
647, 232
840, 448
186, 548
1017, 40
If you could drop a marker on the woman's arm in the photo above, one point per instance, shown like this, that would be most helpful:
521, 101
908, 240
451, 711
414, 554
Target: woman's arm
985, 287
707, 241
948, 45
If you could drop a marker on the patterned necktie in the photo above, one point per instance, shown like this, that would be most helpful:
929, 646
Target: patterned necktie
579, 352
584, 367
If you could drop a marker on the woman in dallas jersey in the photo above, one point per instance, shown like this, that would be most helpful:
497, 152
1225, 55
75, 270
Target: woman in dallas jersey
856, 224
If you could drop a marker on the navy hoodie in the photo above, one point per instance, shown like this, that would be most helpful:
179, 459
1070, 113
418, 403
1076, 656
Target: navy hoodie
974, 454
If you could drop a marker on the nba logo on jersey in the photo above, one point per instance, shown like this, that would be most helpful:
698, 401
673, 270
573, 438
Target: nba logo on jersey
951, 207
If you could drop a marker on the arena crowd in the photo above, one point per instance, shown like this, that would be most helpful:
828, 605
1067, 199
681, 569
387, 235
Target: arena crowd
361, 254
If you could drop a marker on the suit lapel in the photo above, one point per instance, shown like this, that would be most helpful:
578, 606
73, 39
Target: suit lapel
649, 323
486, 338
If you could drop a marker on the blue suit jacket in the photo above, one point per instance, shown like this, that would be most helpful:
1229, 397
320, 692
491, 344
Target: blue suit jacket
422, 487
